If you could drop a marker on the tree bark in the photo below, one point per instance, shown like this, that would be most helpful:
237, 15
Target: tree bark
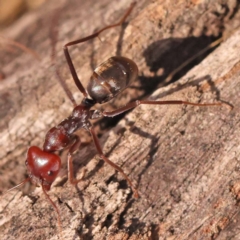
183, 159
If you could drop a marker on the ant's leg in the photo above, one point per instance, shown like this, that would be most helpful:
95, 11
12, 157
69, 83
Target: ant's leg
96, 34
76, 144
53, 37
54, 206
99, 149
139, 102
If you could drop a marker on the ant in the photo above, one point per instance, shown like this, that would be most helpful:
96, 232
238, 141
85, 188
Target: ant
108, 80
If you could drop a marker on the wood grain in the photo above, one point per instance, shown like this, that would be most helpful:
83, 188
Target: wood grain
184, 159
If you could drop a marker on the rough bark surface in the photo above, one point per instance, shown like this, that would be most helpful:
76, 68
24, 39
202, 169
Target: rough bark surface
185, 160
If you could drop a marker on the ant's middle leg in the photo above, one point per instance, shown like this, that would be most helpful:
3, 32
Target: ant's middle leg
116, 167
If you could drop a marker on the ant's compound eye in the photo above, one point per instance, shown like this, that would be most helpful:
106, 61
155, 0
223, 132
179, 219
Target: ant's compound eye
26, 162
50, 173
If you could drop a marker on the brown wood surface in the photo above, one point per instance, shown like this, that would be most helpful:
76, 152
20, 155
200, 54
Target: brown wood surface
184, 159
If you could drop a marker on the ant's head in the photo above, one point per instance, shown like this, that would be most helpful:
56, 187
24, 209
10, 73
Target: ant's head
43, 167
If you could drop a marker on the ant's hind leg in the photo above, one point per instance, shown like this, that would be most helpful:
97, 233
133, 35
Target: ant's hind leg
150, 102
94, 35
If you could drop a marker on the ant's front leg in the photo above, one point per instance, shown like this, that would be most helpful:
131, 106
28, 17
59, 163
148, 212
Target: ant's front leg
116, 167
53, 205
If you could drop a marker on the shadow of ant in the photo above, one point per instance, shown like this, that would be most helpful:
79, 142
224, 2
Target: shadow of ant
168, 55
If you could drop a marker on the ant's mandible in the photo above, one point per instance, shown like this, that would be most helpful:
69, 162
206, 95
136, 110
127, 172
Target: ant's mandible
108, 80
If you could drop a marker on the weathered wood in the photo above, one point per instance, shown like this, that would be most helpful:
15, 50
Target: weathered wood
184, 160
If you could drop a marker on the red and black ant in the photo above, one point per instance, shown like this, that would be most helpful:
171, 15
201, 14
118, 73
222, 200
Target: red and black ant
107, 81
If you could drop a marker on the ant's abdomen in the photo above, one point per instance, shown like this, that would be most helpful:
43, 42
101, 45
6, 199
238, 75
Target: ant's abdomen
111, 77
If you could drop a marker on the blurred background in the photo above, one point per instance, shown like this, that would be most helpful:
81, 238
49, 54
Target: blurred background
10, 10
